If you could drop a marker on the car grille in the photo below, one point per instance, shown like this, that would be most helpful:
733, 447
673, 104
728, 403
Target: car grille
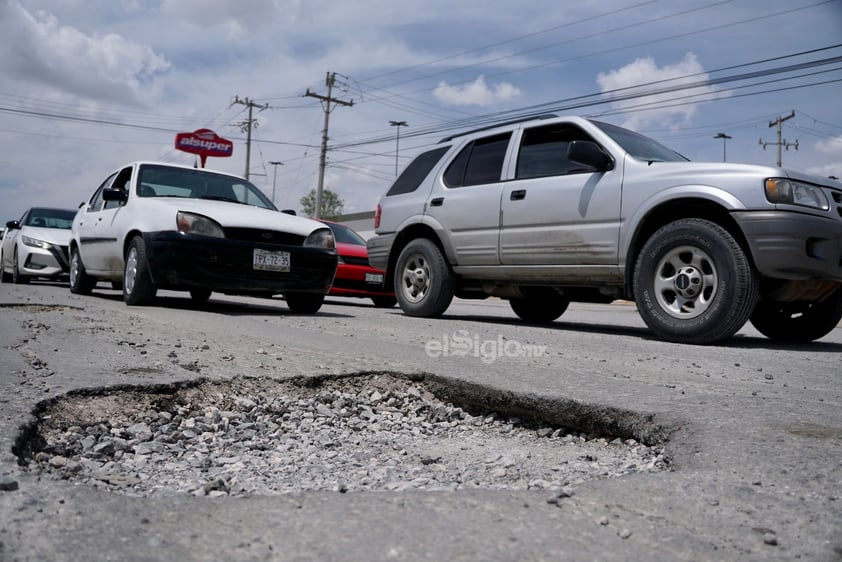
355, 260
259, 236
837, 198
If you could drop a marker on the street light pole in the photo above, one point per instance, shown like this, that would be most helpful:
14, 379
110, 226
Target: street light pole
724, 138
275, 178
398, 124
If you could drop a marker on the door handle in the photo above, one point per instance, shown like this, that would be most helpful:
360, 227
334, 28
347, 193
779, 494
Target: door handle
437, 202
518, 195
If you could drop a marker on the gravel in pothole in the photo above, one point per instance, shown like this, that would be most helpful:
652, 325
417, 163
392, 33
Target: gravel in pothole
263, 436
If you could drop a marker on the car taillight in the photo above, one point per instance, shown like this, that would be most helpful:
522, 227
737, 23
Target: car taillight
377, 217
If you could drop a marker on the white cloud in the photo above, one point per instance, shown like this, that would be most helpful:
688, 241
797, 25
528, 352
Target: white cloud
830, 146
646, 71
106, 68
475, 93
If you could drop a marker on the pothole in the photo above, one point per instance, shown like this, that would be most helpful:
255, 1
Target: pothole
350, 433
39, 307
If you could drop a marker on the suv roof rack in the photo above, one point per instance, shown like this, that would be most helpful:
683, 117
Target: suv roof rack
503, 124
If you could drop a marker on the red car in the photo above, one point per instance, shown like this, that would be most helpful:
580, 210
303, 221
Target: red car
354, 276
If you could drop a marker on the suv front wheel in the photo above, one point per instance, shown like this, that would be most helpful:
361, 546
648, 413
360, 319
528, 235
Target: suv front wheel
693, 283
423, 280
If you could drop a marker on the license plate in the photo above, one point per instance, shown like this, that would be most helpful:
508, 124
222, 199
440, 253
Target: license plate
268, 260
374, 278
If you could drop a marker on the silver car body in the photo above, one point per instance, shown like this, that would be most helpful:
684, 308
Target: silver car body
584, 227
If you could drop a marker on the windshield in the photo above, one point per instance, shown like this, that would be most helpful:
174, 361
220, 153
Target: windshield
639, 146
50, 218
345, 235
165, 181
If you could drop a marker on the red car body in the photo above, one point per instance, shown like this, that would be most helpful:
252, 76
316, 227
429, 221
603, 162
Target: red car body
354, 276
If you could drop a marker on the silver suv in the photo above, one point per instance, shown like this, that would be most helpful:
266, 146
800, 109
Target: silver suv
559, 209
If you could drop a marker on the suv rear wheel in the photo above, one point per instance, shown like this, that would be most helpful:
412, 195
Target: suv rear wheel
423, 281
693, 283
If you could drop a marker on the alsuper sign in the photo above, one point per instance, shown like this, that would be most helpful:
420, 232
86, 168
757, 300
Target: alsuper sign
204, 142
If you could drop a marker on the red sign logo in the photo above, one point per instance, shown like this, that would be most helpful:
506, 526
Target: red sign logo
204, 142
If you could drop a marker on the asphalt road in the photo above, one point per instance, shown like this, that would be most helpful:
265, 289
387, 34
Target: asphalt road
753, 431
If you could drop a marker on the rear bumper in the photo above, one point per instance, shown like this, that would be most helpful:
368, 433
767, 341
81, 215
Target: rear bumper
177, 261
787, 245
379, 247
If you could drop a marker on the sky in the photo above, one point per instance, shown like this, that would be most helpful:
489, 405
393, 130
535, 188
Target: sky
87, 86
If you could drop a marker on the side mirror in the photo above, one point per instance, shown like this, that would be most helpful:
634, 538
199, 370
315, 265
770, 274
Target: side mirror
115, 195
589, 154
289, 212
11, 225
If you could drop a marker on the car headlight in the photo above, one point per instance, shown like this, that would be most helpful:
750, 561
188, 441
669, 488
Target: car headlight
781, 190
322, 238
190, 223
35, 243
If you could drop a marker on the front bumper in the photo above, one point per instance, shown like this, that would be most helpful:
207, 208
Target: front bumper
40, 262
795, 246
359, 281
178, 261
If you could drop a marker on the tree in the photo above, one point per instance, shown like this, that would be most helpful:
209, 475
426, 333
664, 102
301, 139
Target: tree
332, 204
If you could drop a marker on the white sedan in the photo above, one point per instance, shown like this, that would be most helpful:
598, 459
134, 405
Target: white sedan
153, 226
36, 245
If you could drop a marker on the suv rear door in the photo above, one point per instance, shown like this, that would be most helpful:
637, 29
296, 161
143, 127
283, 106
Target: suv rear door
467, 201
558, 212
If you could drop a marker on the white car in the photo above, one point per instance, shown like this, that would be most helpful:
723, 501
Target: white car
153, 226
36, 245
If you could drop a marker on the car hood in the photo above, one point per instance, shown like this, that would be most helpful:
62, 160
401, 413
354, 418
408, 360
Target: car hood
704, 172
235, 214
351, 250
57, 236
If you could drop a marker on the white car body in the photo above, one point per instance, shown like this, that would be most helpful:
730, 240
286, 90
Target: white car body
35, 246
181, 228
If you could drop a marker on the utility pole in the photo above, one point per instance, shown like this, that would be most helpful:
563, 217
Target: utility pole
780, 142
398, 124
275, 164
247, 125
329, 81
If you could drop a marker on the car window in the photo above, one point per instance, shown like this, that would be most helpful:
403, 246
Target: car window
345, 235
414, 174
96, 201
50, 218
479, 162
543, 151
122, 182
167, 181
640, 146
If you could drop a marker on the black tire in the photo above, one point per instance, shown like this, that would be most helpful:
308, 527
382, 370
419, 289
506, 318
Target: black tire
17, 277
138, 288
798, 322
540, 306
80, 282
384, 302
304, 303
200, 294
4, 276
424, 284
694, 283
